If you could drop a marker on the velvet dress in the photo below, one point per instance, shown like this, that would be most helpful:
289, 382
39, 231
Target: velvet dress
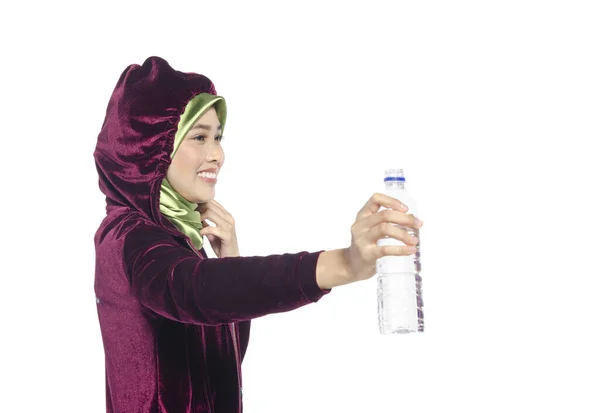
174, 323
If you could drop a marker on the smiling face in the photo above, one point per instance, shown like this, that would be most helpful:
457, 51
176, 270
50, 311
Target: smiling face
199, 150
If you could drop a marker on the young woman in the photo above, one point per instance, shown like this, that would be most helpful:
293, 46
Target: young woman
175, 324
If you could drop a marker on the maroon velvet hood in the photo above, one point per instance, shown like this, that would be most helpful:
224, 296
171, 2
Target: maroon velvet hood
175, 324
134, 146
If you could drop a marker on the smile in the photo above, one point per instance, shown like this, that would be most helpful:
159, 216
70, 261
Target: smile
208, 177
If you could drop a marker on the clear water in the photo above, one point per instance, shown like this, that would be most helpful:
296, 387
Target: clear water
399, 294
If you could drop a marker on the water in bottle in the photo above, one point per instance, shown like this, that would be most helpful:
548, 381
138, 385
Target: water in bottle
400, 304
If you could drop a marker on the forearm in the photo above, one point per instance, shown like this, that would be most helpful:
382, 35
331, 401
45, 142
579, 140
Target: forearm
332, 269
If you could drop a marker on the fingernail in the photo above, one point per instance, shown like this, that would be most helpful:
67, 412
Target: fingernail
403, 207
418, 222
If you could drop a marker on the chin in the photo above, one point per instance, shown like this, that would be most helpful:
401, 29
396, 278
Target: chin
202, 194
203, 199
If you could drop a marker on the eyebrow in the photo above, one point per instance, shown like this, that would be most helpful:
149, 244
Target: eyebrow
205, 127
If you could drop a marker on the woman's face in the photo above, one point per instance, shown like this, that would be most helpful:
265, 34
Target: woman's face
199, 150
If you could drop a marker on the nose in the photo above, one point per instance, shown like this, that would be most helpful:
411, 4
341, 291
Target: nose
215, 153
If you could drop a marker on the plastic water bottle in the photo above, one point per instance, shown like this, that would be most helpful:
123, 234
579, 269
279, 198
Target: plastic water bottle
400, 304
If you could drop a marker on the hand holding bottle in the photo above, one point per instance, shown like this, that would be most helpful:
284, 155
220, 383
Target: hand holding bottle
371, 225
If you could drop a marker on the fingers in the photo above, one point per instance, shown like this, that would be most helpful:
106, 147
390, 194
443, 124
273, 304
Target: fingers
215, 217
376, 202
214, 202
210, 230
372, 225
215, 205
216, 213
386, 250
367, 242
386, 215
387, 229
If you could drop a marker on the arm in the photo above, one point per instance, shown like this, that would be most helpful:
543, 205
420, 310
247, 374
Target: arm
176, 283
332, 269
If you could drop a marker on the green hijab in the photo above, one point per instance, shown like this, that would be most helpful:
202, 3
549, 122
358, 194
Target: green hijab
175, 207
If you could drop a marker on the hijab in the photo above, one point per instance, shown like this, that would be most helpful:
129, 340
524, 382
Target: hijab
181, 212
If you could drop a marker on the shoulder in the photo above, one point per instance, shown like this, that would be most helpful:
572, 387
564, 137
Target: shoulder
137, 227
137, 240
132, 227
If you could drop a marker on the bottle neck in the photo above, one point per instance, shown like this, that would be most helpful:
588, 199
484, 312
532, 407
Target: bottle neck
394, 185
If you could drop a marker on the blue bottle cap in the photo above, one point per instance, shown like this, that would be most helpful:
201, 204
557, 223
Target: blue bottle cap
394, 175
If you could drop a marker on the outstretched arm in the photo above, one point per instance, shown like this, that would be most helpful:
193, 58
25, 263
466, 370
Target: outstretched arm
176, 283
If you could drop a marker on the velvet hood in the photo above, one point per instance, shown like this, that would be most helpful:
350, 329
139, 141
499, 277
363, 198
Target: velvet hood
135, 144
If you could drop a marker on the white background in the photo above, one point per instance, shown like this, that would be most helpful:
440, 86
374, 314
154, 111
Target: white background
491, 108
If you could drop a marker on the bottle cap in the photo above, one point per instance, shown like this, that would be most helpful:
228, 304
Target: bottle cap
394, 174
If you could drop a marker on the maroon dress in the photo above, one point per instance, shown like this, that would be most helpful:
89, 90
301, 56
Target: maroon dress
175, 324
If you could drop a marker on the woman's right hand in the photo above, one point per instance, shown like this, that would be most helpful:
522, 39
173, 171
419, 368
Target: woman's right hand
370, 226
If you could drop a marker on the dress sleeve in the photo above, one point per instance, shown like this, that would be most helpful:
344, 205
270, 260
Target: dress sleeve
176, 283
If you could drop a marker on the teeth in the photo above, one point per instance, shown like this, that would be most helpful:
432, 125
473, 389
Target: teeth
208, 174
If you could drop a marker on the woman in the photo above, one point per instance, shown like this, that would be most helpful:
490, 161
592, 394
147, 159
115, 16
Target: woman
175, 324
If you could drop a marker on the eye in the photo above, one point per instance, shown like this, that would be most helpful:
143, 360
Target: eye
202, 137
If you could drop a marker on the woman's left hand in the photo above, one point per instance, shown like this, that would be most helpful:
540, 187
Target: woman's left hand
222, 236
